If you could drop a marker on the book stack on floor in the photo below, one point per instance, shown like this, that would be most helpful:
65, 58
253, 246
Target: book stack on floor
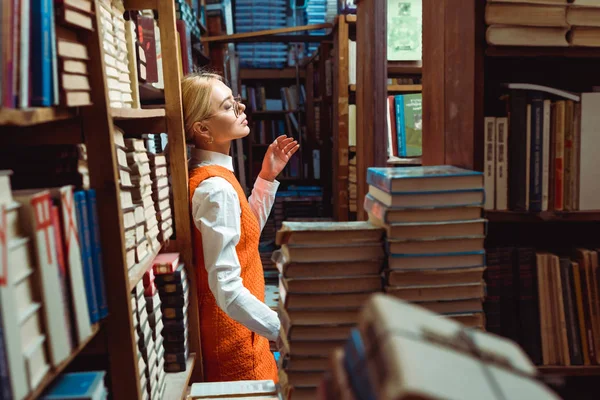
140, 320
52, 288
77, 385
400, 351
435, 237
155, 318
172, 283
161, 194
328, 270
116, 54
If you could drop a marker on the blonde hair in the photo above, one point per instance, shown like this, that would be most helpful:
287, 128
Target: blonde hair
195, 92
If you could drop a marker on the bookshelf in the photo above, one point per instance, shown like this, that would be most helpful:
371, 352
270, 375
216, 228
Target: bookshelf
94, 126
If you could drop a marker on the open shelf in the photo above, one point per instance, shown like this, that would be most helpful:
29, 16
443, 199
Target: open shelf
177, 382
404, 161
405, 68
138, 270
137, 113
524, 51
524, 216
571, 370
33, 116
397, 88
54, 372
266, 73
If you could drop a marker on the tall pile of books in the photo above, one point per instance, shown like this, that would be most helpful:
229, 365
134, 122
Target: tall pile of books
172, 283
153, 308
161, 194
435, 235
116, 54
400, 351
328, 270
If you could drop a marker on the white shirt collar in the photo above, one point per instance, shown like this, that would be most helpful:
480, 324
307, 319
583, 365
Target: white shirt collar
200, 156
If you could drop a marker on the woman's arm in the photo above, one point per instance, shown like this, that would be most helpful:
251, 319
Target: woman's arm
262, 198
216, 213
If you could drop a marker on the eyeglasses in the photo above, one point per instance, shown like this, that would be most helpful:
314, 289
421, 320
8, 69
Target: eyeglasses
237, 110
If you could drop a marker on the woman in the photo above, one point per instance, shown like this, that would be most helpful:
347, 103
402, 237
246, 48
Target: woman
235, 323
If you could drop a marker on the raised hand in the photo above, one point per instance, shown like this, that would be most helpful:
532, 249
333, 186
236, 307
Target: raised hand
277, 156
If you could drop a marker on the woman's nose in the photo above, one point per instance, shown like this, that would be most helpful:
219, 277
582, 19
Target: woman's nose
242, 106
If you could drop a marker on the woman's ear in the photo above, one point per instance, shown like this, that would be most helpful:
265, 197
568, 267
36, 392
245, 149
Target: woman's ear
201, 132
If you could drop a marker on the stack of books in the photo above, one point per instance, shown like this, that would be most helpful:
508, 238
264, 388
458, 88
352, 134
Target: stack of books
161, 194
435, 237
78, 385
140, 319
171, 280
328, 270
146, 345
154, 311
116, 55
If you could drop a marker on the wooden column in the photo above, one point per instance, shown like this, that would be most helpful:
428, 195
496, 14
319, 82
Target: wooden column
340, 118
371, 92
326, 148
453, 41
178, 163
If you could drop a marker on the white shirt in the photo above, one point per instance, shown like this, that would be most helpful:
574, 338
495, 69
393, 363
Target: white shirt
216, 213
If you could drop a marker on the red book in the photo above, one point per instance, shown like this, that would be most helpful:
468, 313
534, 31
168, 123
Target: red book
149, 278
165, 263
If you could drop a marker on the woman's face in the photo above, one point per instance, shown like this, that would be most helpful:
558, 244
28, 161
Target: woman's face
223, 124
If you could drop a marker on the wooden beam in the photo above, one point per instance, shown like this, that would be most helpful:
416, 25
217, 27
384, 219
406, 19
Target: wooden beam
141, 4
264, 34
33, 116
262, 74
104, 178
371, 103
177, 160
340, 118
326, 151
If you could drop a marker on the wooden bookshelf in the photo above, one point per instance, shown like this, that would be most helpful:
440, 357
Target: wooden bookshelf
263, 74
516, 51
404, 161
271, 35
178, 382
272, 112
546, 216
351, 18
56, 371
137, 271
571, 370
404, 68
33, 116
137, 113
397, 88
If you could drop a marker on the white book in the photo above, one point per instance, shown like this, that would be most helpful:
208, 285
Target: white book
72, 254
502, 164
37, 223
589, 162
489, 163
546, 155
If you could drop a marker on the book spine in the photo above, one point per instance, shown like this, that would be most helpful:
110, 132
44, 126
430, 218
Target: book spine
100, 290
5, 385
559, 156
54, 57
41, 53
24, 59
80, 205
536, 163
517, 151
399, 105
529, 316
489, 172
546, 156
574, 342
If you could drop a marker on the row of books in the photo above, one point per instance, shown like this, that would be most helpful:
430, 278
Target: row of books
42, 63
435, 246
542, 157
52, 288
405, 125
546, 302
557, 23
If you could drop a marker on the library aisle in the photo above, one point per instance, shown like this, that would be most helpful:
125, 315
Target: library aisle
433, 235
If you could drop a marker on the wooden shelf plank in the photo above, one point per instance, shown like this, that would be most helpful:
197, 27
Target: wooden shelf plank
137, 271
351, 18
269, 35
571, 370
524, 51
137, 113
404, 161
397, 88
557, 216
265, 73
405, 67
33, 116
54, 372
178, 382
140, 4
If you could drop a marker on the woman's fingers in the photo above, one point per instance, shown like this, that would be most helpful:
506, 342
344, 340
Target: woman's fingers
290, 146
283, 143
295, 149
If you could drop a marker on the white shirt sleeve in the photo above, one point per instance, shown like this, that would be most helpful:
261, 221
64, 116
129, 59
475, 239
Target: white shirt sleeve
216, 213
262, 198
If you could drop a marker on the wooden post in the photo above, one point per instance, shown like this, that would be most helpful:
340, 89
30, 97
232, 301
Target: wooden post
340, 118
371, 94
326, 158
102, 161
453, 40
178, 163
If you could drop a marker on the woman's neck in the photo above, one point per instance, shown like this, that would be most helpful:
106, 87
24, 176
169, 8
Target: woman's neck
223, 148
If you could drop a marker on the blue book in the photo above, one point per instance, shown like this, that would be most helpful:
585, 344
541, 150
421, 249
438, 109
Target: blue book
536, 152
429, 179
77, 386
355, 364
41, 53
86, 253
100, 289
400, 125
